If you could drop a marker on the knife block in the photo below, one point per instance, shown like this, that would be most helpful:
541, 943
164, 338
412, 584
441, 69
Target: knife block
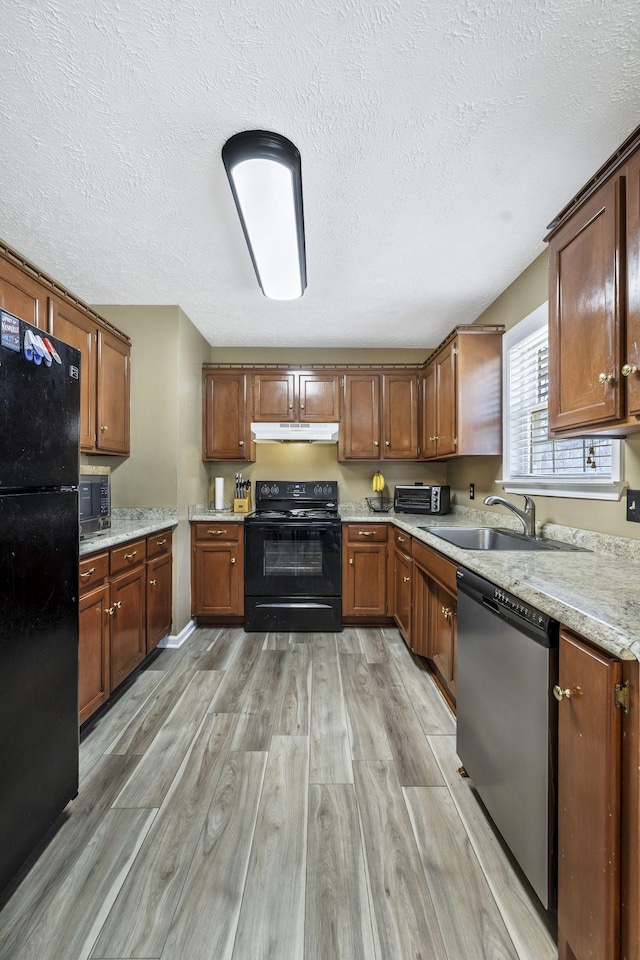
242, 505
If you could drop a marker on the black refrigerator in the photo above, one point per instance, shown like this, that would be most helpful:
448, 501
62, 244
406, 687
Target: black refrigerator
39, 465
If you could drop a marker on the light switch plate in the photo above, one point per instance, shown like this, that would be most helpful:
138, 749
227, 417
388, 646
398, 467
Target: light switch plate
633, 506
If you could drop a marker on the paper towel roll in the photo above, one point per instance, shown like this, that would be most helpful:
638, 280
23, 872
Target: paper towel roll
219, 493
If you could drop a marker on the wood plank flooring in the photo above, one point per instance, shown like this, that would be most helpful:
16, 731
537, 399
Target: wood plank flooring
274, 797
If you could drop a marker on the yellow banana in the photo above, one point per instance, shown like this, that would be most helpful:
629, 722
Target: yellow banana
378, 482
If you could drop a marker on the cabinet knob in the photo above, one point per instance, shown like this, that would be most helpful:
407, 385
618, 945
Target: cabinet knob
605, 378
401, 539
431, 439
290, 406
561, 694
387, 443
104, 429
446, 612
302, 406
153, 582
627, 370
406, 579
351, 561
117, 605
375, 443
241, 443
233, 559
109, 611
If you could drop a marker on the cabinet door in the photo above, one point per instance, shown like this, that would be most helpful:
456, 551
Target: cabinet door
402, 577
319, 397
113, 394
159, 599
225, 427
93, 657
400, 416
589, 794
364, 580
22, 295
75, 328
585, 314
128, 623
360, 426
632, 354
274, 397
217, 580
443, 634
445, 365
428, 407
420, 622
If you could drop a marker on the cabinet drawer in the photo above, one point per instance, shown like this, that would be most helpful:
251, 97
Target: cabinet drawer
158, 544
128, 556
366, 532
436, 565
402, 541
215, 532
93, 570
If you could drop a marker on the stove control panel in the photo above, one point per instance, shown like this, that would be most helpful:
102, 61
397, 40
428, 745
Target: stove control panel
314, 491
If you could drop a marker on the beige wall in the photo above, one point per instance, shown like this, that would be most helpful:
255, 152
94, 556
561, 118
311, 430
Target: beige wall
300, 355
165, 468
526, 293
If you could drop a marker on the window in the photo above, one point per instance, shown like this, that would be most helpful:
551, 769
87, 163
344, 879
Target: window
586, 467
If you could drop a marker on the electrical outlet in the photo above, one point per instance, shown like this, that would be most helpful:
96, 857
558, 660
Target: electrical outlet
472, 491
633, 506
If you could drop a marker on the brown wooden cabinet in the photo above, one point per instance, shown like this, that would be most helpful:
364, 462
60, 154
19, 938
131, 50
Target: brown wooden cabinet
365, 561
434, 626
217, 570
226, 429
94, 679
295, 396
113, 393
462, 395
380, 419
159, 588
594, 304
122, 614
22, 294
402, 583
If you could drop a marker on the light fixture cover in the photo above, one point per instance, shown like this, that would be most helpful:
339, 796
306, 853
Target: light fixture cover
264, 172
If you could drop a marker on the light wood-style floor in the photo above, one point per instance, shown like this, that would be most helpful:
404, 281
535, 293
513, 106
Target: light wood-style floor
274, 797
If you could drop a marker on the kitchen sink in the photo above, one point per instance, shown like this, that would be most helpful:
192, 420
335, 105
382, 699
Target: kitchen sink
495, 538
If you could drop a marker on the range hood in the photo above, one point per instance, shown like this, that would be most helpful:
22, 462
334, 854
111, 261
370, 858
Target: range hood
294, 432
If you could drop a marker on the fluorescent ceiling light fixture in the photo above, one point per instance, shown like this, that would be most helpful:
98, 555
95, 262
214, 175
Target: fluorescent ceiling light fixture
264, 171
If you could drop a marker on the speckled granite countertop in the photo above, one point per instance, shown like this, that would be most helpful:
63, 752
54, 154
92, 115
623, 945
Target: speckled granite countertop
129, 524
595, 593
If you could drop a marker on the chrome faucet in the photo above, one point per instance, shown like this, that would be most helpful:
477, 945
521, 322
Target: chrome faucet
528, 515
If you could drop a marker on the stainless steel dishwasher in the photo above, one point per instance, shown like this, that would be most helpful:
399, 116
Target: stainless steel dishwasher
507, 720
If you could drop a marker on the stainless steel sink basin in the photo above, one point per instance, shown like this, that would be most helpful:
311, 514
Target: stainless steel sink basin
495, 538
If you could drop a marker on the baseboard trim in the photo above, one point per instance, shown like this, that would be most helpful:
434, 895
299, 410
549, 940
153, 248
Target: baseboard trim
173, 641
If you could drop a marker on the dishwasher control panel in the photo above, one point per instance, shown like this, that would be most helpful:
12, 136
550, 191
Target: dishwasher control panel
516, 606
505, 604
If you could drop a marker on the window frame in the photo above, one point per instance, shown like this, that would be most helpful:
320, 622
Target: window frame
587, 488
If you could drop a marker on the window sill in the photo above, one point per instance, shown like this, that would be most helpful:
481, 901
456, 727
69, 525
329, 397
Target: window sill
576, 489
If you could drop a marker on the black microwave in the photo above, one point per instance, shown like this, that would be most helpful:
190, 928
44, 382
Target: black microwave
95, 500
422, 498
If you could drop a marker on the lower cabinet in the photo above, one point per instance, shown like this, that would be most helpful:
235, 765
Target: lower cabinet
402, 583
217, 570
365, 559
434, 627
125, 610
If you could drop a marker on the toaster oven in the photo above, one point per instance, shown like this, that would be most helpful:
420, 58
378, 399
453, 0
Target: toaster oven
422, 498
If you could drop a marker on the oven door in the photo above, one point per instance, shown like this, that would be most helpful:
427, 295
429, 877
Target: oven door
292, 559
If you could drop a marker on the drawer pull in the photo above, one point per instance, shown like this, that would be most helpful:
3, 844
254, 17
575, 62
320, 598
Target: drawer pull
401, 539
161, 543
153, 582
216, 533
366, 533
130, 556
88, 573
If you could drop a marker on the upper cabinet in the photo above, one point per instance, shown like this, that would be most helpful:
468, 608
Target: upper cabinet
380, 420
462, 395
226, 432
105, 351
594, 304
295, 396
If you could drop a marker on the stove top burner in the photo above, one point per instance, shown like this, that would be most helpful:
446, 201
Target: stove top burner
296, 514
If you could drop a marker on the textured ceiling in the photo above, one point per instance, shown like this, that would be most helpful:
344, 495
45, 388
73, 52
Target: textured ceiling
438, 139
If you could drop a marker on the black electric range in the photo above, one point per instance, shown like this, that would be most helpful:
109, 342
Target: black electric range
293, 558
